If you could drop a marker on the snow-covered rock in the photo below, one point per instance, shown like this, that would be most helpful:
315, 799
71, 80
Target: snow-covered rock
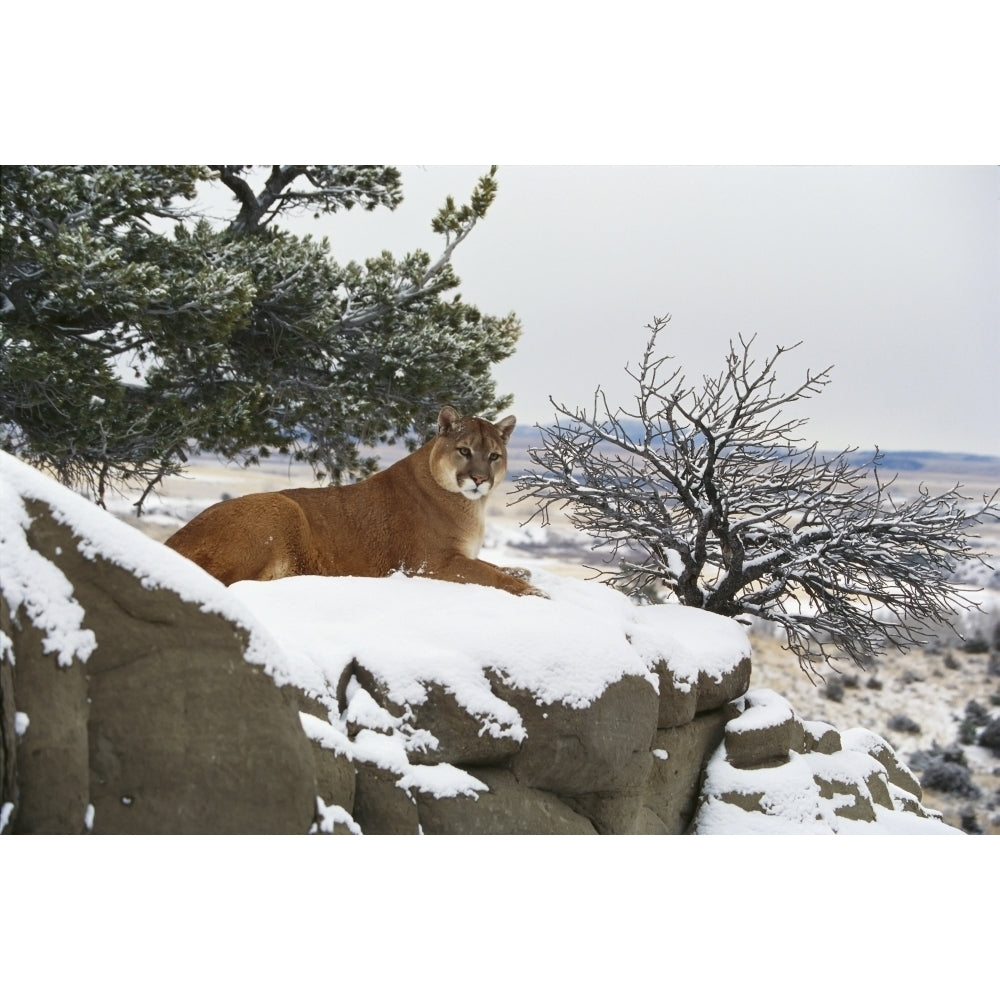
144, 684
138, 695
775, 773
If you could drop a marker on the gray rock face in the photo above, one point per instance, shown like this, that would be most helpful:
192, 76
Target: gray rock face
679, 757
682, 700
508, 807
605, 767
164, 729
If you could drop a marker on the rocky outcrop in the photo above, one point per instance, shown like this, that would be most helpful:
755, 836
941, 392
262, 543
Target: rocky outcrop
775, 773
138, 695
127, 708
505, 724
748, 765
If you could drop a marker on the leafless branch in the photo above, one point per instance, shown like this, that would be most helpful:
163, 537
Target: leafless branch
705, 491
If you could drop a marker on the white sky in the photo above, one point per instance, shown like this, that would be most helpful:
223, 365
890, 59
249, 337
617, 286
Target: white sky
891, 274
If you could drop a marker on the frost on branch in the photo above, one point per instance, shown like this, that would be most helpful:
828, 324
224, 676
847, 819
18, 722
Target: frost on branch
127, 345
706, 491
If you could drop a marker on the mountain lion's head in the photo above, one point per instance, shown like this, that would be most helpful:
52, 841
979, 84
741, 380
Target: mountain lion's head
470, 454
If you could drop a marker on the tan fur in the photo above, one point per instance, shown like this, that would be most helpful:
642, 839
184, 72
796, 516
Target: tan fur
424, 515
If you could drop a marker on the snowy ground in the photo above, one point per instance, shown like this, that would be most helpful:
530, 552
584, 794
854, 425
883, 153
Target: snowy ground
898, 690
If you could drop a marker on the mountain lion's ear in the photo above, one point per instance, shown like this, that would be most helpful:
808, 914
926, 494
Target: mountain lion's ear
506, 426
449, 420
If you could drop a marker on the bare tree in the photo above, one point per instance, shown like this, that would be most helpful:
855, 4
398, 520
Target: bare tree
706, 491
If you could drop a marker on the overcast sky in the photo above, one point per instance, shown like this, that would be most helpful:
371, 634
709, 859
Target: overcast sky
891, 274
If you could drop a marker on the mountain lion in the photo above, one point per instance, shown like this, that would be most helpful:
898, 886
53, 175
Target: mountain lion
424, 515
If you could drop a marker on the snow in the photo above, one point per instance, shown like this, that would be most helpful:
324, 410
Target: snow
328, 735
390, 751
692, 641
411, 633
761, 709
30, 581
817, 730
330, 816
790, 794
675, 564
442, 781
863, 741
725, 818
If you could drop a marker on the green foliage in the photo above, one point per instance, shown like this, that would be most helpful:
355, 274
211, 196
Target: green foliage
135, 332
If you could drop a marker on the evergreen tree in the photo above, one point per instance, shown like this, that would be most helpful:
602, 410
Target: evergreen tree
133, 331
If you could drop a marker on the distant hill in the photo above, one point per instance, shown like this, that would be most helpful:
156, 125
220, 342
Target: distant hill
959, 464
912, 460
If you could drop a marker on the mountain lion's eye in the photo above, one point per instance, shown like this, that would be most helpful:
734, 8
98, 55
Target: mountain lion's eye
494, 456
465, 453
